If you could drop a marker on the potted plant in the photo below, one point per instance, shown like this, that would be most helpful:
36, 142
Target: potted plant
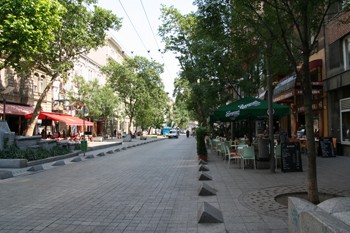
202, 152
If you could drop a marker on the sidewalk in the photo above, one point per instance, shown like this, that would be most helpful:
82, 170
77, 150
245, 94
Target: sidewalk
94, 149
253, 192
154, 188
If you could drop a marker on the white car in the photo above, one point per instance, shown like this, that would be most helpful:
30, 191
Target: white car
173, 134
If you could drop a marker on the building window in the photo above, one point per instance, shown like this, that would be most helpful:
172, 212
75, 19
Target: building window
347, 53
345, 120
335, 55
41, 85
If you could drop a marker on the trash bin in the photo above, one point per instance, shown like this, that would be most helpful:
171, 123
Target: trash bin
83, 145
339, 149
263, 149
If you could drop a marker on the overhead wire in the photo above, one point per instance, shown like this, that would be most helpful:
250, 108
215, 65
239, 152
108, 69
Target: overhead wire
137, 33
141, 40
154, 37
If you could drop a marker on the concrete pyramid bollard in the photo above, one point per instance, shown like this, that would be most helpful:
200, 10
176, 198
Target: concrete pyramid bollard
103, 154
202, 162
89, 156
204, 176
209, 214
203, 168
36, 168
59, 163
206, 190
110, 152
5, 175
77, 159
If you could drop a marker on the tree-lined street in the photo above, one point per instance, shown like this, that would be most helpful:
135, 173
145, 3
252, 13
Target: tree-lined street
154, 188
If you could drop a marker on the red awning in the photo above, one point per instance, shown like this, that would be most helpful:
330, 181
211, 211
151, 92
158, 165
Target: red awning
13, 109
68, 119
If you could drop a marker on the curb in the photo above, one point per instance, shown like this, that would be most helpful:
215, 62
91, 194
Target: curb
6, 173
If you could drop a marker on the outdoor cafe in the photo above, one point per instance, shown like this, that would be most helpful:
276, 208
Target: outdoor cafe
241, 132
61, 126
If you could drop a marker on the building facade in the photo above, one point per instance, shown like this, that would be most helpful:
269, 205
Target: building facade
19, 95
89, 67
337, 82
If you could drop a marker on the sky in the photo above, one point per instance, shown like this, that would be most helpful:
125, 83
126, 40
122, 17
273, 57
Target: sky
139, 32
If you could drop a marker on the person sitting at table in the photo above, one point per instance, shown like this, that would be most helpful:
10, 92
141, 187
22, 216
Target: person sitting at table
48, 135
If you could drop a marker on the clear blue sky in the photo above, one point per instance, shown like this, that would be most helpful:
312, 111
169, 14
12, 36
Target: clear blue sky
129, 38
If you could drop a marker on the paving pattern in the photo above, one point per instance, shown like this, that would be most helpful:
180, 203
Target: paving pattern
153, 188
264, 200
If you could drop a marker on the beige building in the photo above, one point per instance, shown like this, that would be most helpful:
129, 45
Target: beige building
19, 97
89, 67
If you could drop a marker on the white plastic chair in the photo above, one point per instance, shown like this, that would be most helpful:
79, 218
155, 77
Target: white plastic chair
232, 155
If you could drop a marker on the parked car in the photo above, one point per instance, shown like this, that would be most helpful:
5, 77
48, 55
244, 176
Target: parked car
173, 134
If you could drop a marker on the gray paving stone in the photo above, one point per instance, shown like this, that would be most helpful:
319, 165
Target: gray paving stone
154, 188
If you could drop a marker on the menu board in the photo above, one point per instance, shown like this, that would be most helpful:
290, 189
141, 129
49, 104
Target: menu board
325, 148
291, 157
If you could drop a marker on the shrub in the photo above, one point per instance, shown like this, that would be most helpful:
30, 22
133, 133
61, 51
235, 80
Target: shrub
201, 132
13, 152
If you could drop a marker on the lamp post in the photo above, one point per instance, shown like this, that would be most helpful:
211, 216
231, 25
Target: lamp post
83, 145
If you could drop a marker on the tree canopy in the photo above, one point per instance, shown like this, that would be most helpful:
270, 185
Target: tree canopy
27, 29
225, 47
100, 101
81, 29
137, 82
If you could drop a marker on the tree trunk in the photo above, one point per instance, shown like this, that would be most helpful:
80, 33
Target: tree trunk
32, 122
129, 125
312, 187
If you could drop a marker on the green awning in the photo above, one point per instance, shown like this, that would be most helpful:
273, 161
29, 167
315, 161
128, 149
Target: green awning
261, 111
247, 108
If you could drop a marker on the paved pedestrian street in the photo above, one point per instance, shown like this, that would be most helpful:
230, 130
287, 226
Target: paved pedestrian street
154, 187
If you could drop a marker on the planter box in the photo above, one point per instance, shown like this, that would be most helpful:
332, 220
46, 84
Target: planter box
13, 163
47, 143
23, 142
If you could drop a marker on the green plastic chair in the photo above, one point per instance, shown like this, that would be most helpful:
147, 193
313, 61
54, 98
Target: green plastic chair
248, 154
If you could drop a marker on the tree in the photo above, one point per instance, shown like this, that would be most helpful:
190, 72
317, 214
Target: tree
137, 82
24, 33
181, 113
179, 34
100, 101
80, 31
297, 27
206, 46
